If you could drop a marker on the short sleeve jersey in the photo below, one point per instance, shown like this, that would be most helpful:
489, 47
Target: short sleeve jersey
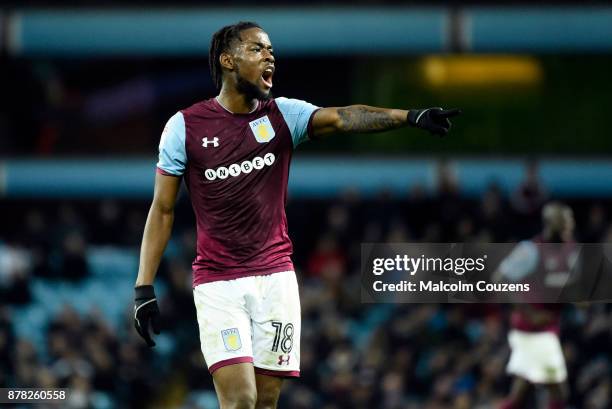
236, 168
531, 257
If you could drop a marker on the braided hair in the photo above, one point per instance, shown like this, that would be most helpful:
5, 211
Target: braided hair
221, 42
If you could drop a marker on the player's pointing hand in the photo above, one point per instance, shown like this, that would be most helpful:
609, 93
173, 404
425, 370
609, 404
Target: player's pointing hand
435, 120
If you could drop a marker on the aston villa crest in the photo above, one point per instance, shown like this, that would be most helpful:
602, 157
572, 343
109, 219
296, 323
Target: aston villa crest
262, 129
231, 339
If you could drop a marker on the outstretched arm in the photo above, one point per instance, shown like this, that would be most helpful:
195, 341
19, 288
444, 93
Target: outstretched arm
364, 118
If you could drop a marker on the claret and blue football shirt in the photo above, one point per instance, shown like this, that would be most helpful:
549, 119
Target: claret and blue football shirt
236, 168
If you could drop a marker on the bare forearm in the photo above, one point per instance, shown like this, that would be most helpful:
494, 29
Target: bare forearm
363, 118
154, 240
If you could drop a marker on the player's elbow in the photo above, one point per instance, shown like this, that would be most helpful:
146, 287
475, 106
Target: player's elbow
327, 121
162, 208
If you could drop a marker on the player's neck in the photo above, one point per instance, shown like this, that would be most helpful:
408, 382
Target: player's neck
235, 102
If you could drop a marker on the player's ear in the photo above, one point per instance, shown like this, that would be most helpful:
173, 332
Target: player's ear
227, 61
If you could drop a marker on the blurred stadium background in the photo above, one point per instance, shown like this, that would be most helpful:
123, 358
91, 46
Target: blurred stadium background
85, 92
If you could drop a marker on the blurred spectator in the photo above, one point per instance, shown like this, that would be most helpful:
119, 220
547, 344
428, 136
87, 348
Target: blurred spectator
15, 269
448, 202
418, 204
527, 200
35, 237
73, 265
492, 218
110, 222
328, 260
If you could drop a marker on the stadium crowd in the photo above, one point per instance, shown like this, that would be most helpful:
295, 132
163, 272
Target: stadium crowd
353, 355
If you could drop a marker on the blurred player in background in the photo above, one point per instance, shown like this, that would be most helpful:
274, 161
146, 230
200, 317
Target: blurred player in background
234, 152
536, 355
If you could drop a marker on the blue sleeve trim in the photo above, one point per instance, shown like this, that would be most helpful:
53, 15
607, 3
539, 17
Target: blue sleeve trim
297, 114
521, 262
172, 154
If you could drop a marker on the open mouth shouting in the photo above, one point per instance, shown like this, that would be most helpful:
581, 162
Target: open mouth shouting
266, 76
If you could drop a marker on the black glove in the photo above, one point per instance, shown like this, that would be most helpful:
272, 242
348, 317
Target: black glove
145, 311
434, 120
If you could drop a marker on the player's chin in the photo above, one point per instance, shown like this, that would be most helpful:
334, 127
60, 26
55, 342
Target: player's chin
265, 92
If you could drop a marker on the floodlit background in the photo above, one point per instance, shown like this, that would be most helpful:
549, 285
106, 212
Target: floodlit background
85, 92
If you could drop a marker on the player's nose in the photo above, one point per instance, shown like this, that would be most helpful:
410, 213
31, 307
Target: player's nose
269, 57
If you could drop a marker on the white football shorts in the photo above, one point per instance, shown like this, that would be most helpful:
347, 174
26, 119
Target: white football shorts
251, 319
536, 357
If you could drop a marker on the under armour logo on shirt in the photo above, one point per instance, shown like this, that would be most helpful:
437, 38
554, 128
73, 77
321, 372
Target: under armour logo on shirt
214, 142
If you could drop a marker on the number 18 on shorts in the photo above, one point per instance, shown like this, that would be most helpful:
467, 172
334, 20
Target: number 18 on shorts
283, 340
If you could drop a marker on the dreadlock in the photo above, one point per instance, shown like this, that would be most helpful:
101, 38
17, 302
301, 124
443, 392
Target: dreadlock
221, 42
